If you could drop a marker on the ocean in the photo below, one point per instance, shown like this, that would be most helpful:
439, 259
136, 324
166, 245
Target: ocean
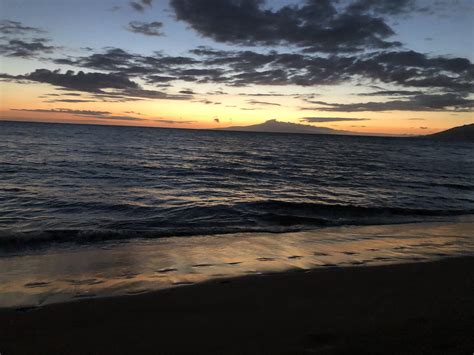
87, 187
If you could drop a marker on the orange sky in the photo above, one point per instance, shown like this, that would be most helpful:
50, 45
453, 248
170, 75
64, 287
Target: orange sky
229, 113
110, 62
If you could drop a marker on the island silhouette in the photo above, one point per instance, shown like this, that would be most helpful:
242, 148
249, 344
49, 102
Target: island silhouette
275, 126
460, 133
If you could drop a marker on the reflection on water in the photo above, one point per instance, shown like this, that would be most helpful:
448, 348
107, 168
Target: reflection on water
63, 274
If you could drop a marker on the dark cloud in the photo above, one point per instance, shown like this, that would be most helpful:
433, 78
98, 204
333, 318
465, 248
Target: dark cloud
134, 113
216, 92
25, 48
383, 7
17, 42
140, 5
446, 8
119, 60
80, 81
169, 61
405, 69
263, 77
113, 59
262, 103
137, 6
270, 94
416, 119
331, 119
146, 28
116, 96
205, 101
17, 28
103, 115
124, 89
73, 101
435, 102
153, 79
413, 77
392, 93
200, 72
173, 121
238, 60
419, 60
66, 110
316, 25
13, 78
153, 94
122, 118
414, 69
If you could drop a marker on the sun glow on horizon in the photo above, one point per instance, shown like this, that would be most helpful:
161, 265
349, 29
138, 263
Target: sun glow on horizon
178, 72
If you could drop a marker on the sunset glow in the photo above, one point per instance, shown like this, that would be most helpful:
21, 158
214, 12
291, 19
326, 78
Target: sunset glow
157, 64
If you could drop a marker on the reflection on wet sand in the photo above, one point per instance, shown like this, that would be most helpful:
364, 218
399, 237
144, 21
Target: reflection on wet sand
62, 274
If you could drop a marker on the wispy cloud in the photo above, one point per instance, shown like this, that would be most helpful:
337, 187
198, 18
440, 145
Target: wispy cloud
331, 119
17, 28
65, 110
96, 83
26, 48
71, 101
146, 28
262, 103
17, 40
435, 102
173, 121
140, 5
103, 115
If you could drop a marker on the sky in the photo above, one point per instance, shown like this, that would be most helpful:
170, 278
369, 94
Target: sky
372, 66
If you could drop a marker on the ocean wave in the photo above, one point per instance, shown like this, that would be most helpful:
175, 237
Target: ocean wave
272, 216
57, 185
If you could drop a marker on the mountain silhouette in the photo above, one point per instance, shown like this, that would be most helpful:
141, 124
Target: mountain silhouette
274, 126
460, 133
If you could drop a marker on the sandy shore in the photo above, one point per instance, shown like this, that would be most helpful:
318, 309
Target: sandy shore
410, 308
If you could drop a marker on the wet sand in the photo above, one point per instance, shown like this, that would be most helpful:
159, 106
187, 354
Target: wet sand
57, 275
411, 308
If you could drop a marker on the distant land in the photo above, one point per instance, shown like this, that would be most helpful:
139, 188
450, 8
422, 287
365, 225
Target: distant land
274, 126
461, 133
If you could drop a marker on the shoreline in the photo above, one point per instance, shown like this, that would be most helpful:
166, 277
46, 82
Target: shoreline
94, 271
230, 279
398, 308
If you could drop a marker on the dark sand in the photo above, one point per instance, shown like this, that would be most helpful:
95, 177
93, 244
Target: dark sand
420, 308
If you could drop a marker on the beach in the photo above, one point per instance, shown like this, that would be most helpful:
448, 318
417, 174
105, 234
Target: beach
64, 272
413, 308
128, 240
236, 177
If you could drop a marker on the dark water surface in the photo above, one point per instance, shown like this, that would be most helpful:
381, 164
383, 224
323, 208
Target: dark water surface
88, 183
